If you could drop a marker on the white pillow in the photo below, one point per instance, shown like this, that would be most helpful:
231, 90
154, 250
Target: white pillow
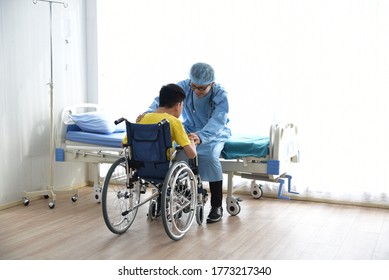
97, 122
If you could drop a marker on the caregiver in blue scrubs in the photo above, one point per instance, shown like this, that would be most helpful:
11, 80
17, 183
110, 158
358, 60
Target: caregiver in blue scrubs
205, 118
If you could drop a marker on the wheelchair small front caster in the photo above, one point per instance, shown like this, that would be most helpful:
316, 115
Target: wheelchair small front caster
200, 214
153, 210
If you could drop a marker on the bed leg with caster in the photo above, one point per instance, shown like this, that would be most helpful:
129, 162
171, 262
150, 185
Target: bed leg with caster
232, 203
97, 193
256, 190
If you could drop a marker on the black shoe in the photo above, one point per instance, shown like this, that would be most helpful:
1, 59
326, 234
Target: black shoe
215, 215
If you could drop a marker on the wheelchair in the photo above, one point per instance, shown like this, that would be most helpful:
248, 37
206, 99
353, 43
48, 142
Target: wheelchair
177, 194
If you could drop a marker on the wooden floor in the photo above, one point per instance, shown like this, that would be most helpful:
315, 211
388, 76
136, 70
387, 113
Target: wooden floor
270, 229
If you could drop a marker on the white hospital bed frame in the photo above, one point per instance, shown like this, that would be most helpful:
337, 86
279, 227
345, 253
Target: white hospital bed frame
283, 150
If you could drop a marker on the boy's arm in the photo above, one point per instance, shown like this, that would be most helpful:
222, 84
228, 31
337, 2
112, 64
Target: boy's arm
190, 150
181, 138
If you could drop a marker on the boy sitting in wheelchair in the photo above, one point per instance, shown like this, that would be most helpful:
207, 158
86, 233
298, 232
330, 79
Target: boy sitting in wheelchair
177, 194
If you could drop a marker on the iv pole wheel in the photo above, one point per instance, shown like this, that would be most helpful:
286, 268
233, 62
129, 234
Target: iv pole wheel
75, 197
26, 202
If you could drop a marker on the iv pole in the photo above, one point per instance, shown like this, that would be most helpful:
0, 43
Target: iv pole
50, 190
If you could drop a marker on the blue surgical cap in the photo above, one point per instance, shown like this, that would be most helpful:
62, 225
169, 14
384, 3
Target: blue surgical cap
202, 73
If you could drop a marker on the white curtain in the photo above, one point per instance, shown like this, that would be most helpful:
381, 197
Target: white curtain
323, 64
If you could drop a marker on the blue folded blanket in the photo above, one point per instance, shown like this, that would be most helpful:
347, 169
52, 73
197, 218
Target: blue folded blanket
243, 145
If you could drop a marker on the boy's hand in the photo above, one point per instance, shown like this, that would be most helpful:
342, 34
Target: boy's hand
195, 138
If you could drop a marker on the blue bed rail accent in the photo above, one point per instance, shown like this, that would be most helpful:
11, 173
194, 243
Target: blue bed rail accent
273, 167
59, 154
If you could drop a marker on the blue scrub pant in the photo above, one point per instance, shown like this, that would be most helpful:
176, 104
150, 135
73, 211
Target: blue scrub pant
208, 155
210, 169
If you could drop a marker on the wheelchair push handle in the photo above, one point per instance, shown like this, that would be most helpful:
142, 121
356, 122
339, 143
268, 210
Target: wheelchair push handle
119, 121
124, 119
163, 122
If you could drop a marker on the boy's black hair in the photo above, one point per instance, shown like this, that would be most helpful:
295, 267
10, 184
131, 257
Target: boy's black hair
170, 95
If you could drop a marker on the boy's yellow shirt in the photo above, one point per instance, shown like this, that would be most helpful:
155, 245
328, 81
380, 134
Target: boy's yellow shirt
176, 128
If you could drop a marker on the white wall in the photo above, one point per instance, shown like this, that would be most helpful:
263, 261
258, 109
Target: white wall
323, 64
24, 94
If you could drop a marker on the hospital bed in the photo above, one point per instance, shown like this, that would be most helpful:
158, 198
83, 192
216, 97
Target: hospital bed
86, 146
262, 158
249, 156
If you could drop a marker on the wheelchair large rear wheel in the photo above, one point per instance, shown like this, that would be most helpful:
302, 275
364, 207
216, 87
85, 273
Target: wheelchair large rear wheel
179, 200
119, 199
